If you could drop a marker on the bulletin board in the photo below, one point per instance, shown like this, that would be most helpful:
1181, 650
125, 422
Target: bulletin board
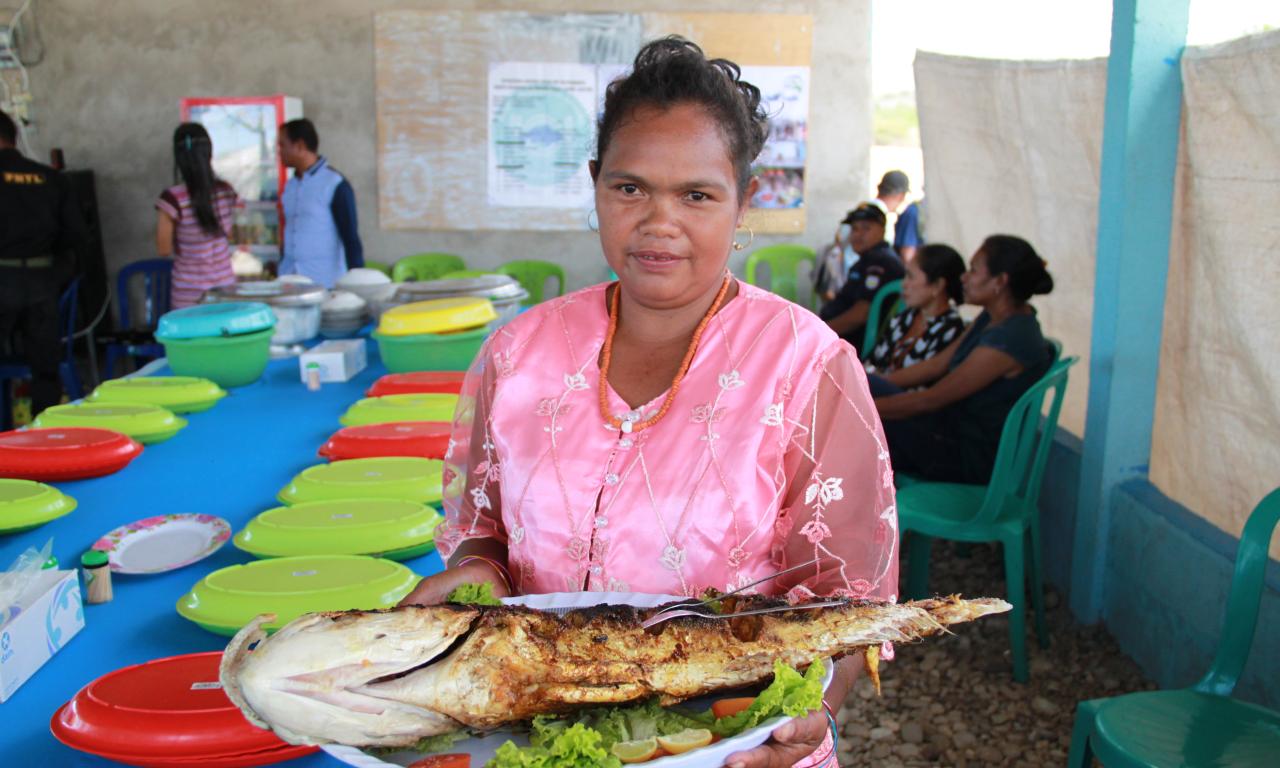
486, 120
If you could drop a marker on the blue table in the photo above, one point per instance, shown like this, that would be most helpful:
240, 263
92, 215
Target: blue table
230, 461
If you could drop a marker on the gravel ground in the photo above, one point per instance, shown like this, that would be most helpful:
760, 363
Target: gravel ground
951, 700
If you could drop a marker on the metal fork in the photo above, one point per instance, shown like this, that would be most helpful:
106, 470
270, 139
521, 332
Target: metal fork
691, 604
658, 618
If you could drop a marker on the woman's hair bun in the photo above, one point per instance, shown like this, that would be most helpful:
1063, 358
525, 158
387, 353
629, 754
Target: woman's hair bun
1011, 255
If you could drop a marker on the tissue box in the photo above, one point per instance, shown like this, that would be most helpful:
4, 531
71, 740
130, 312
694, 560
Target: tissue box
339, 359
47, 615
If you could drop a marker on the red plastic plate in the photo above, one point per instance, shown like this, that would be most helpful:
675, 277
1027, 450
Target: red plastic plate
426, 439
448, 382
52, 454
170, 709
237, 760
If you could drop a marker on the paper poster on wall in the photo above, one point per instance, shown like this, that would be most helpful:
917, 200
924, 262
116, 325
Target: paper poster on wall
541, 127
784, 92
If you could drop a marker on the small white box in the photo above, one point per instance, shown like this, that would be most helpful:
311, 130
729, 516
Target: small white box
339, 359
47, 615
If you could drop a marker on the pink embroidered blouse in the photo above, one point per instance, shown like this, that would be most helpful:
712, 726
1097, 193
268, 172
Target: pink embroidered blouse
771, 454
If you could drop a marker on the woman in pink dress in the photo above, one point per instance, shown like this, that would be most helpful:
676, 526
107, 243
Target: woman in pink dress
675, 430
194, 219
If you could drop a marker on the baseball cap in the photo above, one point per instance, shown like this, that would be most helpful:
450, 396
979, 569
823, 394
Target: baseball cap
866, 212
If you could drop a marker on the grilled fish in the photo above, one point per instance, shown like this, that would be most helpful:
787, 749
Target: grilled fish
391, 678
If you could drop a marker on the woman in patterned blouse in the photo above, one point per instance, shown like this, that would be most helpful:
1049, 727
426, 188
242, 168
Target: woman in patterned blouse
677, 429
931, 290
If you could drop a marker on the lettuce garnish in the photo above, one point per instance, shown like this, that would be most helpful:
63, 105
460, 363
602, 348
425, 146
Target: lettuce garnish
583, 738
474, 594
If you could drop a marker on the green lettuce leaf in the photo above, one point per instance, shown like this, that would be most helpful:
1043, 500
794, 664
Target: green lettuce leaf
790, 694
584, 738
474, 594
574, 747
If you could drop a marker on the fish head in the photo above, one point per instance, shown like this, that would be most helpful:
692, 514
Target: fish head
303, 680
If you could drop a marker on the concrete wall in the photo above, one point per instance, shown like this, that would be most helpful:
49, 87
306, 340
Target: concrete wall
1167, 578
108, 92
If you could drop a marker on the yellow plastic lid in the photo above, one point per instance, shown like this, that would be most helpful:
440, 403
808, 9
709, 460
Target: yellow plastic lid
436, 316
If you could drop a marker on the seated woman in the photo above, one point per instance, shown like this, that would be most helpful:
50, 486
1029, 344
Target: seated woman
949, 430
677, 429
931, 290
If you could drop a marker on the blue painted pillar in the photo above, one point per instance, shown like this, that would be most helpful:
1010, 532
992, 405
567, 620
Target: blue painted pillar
1135, 214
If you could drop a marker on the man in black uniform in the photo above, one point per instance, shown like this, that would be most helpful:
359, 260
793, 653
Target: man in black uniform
877, 264
40, 229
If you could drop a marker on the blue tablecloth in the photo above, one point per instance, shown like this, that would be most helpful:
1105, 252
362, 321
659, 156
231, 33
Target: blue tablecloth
230, 461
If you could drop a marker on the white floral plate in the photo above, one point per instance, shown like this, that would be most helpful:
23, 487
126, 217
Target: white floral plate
483, 750
163, 542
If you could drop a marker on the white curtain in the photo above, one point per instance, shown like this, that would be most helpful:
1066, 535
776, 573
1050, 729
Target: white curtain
1216, 447
1015, 147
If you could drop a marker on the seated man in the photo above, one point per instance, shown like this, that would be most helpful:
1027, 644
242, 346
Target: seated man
877, 264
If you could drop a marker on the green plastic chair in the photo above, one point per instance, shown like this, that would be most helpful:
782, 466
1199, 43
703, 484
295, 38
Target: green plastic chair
426, 266
533, 275
463, 274
383, 268
1004, 510
784, 264
874, 322
1201, 725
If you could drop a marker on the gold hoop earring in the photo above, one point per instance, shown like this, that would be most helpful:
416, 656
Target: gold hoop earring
751, 238
593, 227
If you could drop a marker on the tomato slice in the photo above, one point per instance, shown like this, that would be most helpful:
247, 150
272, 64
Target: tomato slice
443, 761
729, 707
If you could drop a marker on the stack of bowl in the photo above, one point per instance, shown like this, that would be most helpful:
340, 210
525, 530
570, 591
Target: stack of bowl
342, 315
439, 335
369, 284
504, 292
229, 344
296, 306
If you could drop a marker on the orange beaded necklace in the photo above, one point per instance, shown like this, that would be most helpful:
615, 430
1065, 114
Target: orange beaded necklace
627, 425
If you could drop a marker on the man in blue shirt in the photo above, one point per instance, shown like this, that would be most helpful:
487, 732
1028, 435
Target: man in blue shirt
877, 264
321, 236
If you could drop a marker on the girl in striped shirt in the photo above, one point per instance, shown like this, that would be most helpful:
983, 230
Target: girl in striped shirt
194, 219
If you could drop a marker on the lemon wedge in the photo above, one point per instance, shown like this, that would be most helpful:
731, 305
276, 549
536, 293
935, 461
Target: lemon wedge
635, 751
689, 738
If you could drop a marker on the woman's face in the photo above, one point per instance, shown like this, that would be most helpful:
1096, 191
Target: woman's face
980, 286
668, 204
917, 291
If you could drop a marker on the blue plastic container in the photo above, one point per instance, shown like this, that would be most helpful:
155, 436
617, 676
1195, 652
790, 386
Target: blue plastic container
205, 321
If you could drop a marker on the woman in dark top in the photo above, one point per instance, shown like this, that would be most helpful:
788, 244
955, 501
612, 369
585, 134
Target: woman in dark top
949, 430
931, 290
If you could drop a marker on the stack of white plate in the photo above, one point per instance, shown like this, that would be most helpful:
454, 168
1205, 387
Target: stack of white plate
504, 292
342, 315
363, 282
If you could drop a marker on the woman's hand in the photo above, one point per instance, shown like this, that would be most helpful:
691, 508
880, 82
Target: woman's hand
790, 743
434, 590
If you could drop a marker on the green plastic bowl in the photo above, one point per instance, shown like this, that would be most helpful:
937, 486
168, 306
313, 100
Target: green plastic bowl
228, 361
26, 504
180, 394
430, 351
377, 527
418, 406
384, 477
148, 424
227, 599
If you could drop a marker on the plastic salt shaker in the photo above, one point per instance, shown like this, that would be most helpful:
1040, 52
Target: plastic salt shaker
313, 376
97, 576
